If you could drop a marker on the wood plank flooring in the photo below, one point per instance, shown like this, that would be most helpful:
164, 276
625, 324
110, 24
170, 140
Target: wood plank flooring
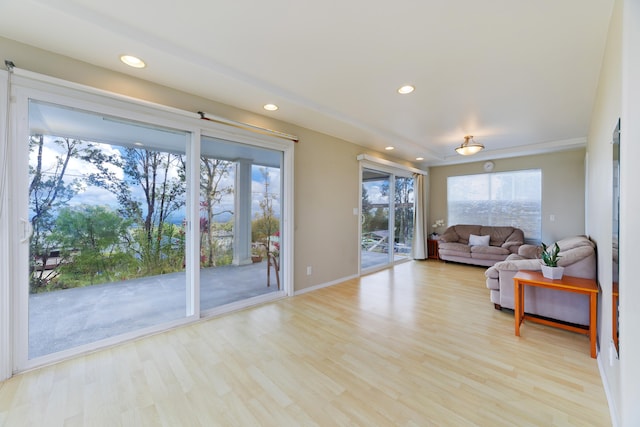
418, 345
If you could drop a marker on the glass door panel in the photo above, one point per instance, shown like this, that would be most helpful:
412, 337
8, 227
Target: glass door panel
377, 238
240, 215
403, 218
107, 202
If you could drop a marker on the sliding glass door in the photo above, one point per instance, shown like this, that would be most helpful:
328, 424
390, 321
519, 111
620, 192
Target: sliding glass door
130, 223
387, 208
106, 206
404, 206
376, 247
240, 214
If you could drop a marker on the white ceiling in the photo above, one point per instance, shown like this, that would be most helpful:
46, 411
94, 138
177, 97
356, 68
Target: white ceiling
520, 76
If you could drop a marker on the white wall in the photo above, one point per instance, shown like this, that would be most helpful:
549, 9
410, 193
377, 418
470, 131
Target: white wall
617, 96
629, 223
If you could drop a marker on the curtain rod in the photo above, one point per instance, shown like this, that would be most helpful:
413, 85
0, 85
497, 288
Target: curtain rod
245, 126
389, 163
250, 127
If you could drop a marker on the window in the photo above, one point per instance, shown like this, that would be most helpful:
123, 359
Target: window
505, 198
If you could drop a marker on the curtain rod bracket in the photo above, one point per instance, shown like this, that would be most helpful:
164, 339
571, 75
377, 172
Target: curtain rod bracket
9, 64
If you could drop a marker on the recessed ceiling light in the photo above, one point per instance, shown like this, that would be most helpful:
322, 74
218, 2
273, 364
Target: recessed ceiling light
419, 158
270, 107
389, 148
406, 89
133, 61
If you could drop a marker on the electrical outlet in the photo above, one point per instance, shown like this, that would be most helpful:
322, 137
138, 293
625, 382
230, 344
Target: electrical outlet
309, 270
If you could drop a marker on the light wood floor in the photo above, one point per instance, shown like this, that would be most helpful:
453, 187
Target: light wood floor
419, 345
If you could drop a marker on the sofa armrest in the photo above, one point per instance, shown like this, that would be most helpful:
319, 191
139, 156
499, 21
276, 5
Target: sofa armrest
515, 240
529, 251
449, 236
519, 264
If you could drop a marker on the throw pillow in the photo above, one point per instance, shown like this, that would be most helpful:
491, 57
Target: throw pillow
478, 240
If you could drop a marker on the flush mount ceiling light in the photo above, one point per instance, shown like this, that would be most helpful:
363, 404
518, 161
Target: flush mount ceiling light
133, 61
270, 107
419, 159
469, 146
389, 148
406, 89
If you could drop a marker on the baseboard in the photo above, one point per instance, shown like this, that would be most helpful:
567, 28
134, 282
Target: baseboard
613, 412
324, 285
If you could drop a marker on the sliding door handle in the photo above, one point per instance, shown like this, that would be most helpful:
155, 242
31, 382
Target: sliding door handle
27, 230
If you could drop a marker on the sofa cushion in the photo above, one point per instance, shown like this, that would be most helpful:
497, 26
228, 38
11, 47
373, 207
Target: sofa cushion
454, 249
490, 250
488, 256
475, 240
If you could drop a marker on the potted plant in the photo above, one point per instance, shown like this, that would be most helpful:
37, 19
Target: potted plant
550, 256
257, 252
436, 225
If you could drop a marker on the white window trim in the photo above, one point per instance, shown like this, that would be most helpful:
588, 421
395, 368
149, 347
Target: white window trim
5, 248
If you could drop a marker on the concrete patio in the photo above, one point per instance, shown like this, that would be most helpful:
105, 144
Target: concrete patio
68, 318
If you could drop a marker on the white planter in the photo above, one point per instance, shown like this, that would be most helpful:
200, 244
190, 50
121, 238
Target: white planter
552, 272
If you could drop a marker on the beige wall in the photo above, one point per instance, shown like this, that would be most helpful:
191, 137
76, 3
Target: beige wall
326, 169
563, 191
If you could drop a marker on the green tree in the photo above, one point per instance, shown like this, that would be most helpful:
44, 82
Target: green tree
159, 178
380, 219
403, 214
404, 208
49, 189
93, 242
266, 224
212, 190
366, 209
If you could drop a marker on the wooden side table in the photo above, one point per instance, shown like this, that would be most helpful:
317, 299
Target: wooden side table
567, 284
432, 249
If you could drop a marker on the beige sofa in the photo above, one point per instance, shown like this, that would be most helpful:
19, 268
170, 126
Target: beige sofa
454, 244
577, 256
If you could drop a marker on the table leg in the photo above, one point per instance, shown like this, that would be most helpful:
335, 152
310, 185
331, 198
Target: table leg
517, 299
593, 307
